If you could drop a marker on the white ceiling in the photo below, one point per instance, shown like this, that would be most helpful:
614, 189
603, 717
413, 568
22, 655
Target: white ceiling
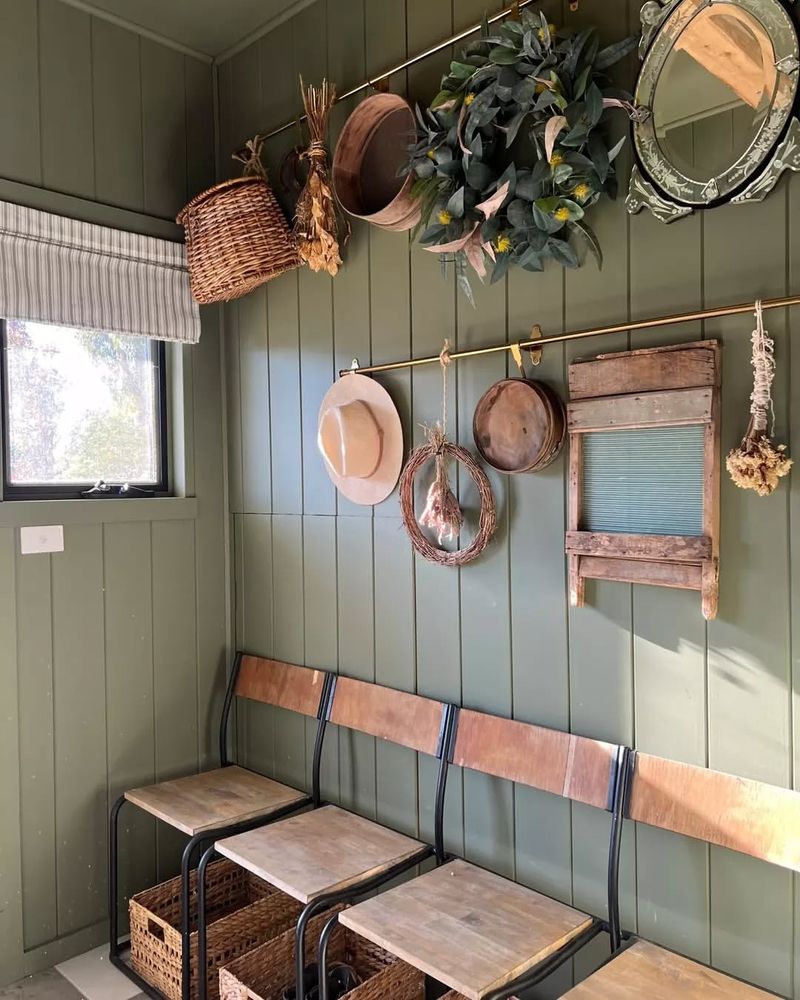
210, 27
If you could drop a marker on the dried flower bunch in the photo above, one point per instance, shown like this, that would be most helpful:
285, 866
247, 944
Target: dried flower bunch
443, 513
758, 463
514, 149
316, 226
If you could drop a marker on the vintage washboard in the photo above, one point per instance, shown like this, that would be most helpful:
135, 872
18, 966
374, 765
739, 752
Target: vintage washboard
644, 470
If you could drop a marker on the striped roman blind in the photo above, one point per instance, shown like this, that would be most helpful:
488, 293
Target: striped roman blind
59, 270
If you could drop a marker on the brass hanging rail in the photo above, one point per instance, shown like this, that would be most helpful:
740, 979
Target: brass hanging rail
375, 80
598, 331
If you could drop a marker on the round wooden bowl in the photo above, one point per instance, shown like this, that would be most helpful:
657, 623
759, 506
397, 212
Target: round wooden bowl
519, 425
372, 150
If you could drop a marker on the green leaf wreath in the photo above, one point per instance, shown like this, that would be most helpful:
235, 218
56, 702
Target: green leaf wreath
513, 150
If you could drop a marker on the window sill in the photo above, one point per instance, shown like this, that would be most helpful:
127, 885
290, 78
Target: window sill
15, 513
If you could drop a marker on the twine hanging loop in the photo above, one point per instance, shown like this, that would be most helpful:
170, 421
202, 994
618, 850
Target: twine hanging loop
757, 464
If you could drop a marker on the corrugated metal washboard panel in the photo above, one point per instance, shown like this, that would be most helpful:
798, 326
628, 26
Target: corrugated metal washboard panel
644, 482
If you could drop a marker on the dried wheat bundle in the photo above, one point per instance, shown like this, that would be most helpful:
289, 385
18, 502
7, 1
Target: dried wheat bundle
758, 463
316, 224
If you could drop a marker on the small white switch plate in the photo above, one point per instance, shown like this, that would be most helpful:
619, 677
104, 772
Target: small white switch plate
42, 538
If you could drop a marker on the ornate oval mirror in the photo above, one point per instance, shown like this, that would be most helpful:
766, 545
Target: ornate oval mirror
715, 104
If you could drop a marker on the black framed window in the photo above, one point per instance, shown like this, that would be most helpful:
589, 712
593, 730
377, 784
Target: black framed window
81, 408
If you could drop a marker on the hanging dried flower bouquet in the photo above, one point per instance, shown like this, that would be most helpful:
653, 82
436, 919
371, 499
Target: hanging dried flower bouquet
758, 463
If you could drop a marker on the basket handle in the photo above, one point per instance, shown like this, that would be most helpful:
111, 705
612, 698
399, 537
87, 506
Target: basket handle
155, 927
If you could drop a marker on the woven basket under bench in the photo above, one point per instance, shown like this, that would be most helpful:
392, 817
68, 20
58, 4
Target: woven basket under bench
242, 912
265, 972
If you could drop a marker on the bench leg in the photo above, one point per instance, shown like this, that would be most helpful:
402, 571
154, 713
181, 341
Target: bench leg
186, 925
202, 941
113, 878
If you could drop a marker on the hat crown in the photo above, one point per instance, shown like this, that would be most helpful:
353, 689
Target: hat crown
350, 439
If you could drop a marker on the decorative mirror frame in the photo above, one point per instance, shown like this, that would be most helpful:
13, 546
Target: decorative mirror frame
674, 386
656, 183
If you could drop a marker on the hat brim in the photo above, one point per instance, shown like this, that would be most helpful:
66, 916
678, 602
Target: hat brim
377, 487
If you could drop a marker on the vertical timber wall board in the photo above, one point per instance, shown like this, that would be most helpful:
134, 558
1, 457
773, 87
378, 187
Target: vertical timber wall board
638, 664
112, 653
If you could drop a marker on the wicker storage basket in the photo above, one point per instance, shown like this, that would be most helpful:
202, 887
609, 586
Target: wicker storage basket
265, 972
236, 239
242, 912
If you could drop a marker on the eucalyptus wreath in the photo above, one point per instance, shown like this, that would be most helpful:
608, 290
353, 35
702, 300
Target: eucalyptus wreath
514, 149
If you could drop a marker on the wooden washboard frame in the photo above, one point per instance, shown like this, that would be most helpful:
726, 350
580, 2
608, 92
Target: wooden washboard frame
658, 387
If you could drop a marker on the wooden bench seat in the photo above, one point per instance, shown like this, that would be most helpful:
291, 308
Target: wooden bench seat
214, 799
646, 971
326, 850
466, 927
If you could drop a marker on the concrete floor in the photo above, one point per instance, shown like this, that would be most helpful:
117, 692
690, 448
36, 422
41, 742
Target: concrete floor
91, 977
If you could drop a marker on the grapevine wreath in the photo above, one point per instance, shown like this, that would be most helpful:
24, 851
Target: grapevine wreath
514, 149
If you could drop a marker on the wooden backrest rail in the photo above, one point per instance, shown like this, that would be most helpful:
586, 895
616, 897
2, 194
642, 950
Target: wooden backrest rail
407, 719
285, 685
747, 816
571, 766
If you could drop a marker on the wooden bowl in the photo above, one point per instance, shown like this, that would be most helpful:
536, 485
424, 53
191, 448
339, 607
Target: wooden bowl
372, 150
519, 425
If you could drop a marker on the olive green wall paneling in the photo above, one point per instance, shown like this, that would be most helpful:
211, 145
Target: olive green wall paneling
484, 596
257, 636
235, 416
284, 396
256, 402
210, 557
117, 104
65, 80
540, 671
11, 913
79, 700
438, 640
20, 160
390, 280
130, 706
199, 126
321, 637
242, 708
175, 674
351, 290
670, 637
356, 626
164, 125
315, 291
395, 666
282, 97
289, 639
601, 675
37, 795
749, 667
229, 139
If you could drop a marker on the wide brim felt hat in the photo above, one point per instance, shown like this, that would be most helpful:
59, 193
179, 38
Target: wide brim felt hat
360, 438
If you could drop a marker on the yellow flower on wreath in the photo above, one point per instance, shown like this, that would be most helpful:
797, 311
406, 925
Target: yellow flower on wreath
556, 159
562, 214
431, 154
444, 217
502, 243
469, 99
553, 29
581, 190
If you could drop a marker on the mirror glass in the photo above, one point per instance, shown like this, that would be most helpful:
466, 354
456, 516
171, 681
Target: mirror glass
714, 91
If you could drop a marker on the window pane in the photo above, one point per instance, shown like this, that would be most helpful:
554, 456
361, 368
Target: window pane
644, 482
81, 406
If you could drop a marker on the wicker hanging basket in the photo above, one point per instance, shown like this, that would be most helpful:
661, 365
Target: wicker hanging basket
237, 237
